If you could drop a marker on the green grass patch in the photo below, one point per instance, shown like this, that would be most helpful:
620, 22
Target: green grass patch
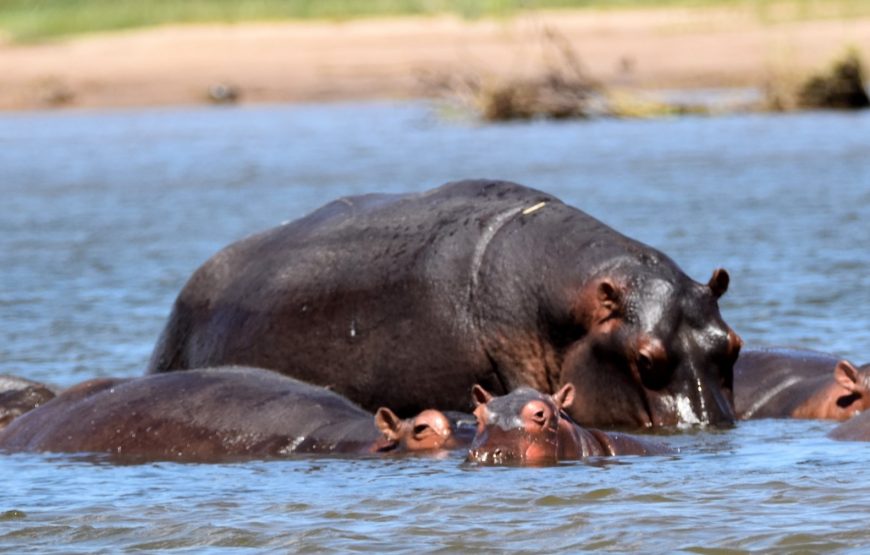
28, 20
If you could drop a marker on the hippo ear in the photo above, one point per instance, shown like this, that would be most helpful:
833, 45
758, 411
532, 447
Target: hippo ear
847, 376
565, 396
718, 283
388, 423
480, 395
609, 296
599, 301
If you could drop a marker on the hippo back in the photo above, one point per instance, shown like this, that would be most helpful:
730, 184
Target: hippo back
856, 428
194, 415
774, 382
369, 295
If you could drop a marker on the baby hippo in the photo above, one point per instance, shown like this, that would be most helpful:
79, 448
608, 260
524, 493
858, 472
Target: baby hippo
795, 383
527, 427
217, 414
18, 396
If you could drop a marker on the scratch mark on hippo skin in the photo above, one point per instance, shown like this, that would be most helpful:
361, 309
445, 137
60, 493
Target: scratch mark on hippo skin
770, 395
486, 238
493, 227
534, 208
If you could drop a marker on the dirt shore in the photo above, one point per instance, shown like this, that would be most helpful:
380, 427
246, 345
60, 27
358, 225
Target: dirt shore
402, 57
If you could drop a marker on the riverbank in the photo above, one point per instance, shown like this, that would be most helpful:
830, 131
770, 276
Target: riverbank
408, 57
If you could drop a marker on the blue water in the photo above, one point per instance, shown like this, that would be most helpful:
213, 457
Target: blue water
106, 214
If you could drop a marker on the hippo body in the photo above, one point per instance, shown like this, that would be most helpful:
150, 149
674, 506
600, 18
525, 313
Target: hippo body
409, 300
19, 395
527, 427
211, 415
796, 383
856, 428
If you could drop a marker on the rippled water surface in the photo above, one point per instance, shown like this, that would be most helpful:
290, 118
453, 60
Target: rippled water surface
105, 215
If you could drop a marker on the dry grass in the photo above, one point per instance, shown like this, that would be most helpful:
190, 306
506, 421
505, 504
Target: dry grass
564, 89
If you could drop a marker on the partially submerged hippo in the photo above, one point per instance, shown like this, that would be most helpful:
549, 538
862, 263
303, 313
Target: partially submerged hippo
527, 427
409, 300
217, 414
19, 395
794, 383
856, 428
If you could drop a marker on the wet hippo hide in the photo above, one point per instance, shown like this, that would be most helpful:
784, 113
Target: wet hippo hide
798, 383
856, 428
19, 395
527, 427
215, 414
408, 300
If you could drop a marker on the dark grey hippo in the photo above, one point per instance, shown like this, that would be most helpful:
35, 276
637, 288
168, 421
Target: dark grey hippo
408, 300
218, 414
797, 383
856, 428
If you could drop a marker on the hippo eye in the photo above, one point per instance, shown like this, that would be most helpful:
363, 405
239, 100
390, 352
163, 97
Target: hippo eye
420, 429
537, 414
653, 373
644, 363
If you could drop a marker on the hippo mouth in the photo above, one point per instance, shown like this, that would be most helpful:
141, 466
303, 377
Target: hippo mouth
688, 408
513, 448
495, 457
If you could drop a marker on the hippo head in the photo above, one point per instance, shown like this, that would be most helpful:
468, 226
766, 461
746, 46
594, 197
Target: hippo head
19, 395
519, 428
854, 393
428, 431
652, 350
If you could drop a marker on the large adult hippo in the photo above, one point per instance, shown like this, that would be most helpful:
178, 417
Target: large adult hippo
409, 300
218, 414
797, 383
527, 427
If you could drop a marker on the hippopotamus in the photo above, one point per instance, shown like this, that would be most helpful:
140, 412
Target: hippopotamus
409, 300
217, 414
856, 428
796, 383
527, 427
19, 395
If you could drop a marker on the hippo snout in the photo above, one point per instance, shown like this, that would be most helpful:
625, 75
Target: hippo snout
494, 456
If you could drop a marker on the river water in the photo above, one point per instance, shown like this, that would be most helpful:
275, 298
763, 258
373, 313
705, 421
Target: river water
106, 214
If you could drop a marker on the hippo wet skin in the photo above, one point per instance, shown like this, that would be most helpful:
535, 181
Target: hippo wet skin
19, 395
796, 383
216, 414
856, 428
408, 300
527, 427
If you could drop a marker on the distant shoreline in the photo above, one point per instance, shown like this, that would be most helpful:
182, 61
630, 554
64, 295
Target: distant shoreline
407, 57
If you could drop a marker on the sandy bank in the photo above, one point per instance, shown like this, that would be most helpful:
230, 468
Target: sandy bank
395, 58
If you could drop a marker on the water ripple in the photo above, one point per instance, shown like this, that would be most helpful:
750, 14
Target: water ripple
107, 214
